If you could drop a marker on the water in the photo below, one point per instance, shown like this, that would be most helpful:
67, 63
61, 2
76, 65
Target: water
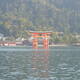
24, 63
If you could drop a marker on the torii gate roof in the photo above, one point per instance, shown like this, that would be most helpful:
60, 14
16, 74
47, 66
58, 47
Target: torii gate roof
40, 32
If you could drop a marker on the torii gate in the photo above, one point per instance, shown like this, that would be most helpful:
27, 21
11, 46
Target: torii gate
45, 35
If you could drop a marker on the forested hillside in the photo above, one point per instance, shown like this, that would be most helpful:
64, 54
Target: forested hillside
17, 16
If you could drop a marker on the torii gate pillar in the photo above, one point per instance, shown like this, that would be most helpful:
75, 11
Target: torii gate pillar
45, 35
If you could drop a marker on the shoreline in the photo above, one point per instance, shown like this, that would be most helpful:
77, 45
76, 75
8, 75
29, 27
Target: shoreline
58, 45
51, 45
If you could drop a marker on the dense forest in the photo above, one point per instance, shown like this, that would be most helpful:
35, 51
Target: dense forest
18, 16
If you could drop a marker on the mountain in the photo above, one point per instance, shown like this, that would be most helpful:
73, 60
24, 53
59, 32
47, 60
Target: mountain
56, 15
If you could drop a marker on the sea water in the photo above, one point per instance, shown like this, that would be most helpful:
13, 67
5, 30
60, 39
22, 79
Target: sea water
25, 63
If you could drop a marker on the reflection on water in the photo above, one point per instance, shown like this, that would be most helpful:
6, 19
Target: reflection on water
58, 64
40, 64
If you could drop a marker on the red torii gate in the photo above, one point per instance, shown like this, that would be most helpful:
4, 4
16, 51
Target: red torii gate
40, 34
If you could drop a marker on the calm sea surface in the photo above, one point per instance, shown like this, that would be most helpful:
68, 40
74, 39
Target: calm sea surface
24, 63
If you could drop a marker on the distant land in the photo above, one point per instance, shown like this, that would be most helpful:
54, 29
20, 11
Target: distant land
19, 16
